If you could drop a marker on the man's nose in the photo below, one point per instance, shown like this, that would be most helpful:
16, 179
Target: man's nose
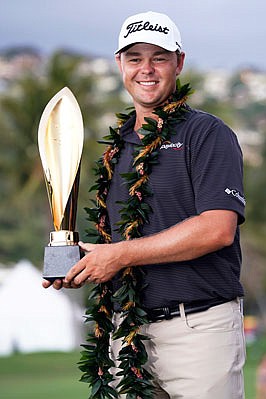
147, 67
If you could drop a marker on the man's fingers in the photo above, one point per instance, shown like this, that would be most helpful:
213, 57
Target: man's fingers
46, 284
57, 284
74, 271
82, 277
72, 284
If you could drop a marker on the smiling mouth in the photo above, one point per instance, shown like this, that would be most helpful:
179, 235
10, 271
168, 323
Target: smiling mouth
148, 83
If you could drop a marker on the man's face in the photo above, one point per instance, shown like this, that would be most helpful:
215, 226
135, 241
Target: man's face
149, 73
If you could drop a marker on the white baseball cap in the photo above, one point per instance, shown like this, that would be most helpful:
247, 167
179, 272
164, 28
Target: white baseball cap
150, 27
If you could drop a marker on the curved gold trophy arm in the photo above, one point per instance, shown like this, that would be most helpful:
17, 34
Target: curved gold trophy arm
60, 139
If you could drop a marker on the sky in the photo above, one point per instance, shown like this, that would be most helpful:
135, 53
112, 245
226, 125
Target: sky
221, 34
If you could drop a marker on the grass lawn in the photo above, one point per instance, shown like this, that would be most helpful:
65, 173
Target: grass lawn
255, 352
41, 376
56, 375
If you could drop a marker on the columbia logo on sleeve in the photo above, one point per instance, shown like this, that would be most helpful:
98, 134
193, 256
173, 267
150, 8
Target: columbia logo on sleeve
235, 194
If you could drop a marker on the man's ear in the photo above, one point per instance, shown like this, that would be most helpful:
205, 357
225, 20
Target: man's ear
118, 61
180, 64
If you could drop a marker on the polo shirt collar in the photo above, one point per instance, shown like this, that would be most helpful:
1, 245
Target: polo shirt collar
128, 134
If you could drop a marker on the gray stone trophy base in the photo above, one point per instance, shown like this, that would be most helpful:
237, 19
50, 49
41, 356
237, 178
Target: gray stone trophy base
59, 259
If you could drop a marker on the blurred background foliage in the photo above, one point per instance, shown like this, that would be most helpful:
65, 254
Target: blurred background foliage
28, 81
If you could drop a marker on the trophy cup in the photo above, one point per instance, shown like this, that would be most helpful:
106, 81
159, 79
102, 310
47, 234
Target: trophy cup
60, 140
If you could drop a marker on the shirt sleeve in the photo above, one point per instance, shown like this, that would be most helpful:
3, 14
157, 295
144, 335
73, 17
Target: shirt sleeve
217, 168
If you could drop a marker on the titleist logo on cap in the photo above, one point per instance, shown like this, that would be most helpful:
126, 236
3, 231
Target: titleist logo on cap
139, 26
151, 28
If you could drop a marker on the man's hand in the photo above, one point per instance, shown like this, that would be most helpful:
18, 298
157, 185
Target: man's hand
99, 265
73, 272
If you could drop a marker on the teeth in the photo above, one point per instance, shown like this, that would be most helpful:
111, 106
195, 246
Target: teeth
147, 83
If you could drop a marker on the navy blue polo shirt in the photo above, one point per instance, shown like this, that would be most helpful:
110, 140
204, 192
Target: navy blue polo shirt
200, 168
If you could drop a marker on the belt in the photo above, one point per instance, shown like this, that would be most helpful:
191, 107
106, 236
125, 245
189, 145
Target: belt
167, 313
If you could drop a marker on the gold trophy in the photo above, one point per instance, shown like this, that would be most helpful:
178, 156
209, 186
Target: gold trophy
60, 140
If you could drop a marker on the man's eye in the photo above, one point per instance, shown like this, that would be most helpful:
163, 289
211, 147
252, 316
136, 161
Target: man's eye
159, 59
134, 60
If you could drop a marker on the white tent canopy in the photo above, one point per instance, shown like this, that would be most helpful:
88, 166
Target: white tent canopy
34, 319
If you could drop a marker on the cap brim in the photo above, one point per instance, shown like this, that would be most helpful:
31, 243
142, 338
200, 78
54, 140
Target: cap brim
168, 48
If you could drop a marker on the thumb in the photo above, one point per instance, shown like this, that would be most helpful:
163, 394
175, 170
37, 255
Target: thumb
87, 246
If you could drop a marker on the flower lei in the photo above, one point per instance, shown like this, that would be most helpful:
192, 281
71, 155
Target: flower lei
135, 380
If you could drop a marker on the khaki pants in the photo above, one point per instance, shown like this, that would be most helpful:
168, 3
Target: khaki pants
197, 356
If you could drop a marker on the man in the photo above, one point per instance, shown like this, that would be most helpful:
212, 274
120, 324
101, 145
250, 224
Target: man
190, 242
